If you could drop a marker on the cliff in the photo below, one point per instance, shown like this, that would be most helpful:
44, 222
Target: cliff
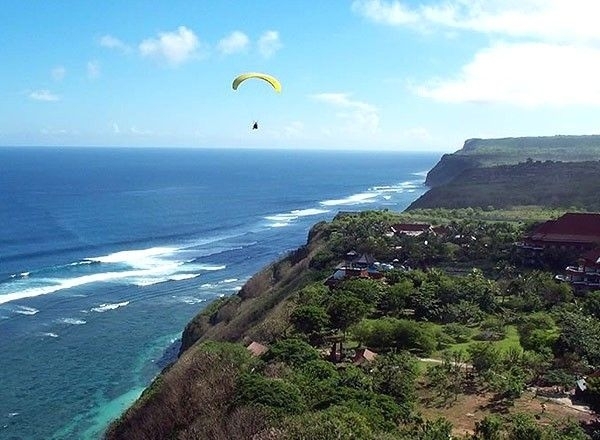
259, 300
199, 386
484, 153
568, 185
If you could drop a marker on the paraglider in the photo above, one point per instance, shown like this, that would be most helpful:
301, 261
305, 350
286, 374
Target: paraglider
274, 82
265, 77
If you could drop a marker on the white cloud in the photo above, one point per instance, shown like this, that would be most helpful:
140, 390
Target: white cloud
116, 129
547, 20
524, 74
392, 13
93, 69
174, 47
549, 56
58, 73
358, 115
235, 42
269, 43
111, 42
43, 95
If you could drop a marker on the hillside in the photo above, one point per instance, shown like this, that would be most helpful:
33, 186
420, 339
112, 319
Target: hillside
568, 185
509, 151
487, 347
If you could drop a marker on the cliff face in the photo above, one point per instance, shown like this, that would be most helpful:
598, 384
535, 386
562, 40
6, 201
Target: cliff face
477, 153
449, 166
551, 184
197, 390
239, 316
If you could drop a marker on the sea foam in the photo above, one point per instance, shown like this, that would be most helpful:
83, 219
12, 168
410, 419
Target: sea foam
105, 307
373, 194
72, 321
138, 267
284, 219
355, 199
24, 310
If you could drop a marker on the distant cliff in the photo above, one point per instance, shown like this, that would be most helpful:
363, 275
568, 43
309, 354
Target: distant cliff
569, 185
477, 153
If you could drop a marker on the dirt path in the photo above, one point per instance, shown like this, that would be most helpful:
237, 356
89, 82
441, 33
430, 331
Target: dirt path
566, 401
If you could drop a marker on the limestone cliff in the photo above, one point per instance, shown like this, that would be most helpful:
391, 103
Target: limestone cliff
477, 153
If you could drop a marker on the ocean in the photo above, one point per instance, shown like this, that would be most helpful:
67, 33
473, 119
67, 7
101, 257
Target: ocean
106, 254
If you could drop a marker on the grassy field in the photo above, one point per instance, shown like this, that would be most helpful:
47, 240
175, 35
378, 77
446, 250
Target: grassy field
513, 214
511, 340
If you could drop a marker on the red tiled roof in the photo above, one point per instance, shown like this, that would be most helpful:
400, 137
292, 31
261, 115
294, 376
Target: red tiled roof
571, 227
257, 349
364, 355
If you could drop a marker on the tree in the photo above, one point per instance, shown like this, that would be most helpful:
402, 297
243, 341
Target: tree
523, 427
335, 423
489, 428
485, 358
579, 335
509, 384
310, 319
291, 351
538, 331
592, 304
277, 395
395, 298
395, 375
438, 429
345, 310
367, 290
425, 303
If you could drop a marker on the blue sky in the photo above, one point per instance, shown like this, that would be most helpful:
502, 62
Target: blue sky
363, 74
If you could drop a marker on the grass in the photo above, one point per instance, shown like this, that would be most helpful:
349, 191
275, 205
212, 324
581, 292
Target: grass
511, 340
515, 215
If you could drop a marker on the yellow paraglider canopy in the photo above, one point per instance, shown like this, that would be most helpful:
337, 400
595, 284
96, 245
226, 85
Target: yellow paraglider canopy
265, 77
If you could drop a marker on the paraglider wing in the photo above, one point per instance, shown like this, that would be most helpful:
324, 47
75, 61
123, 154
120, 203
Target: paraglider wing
268, 78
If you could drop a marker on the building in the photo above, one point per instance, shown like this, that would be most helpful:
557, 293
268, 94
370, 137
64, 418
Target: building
411, 229
257, 349
572, 231
363, 356
354, 266
586, 275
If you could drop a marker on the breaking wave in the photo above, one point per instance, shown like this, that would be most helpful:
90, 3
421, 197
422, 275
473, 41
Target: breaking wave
106, 307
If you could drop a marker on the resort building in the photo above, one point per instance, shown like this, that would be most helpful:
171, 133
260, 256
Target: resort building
572, 231
354, 266
586, 275
411, 229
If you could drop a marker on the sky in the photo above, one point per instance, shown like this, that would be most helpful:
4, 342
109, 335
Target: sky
401, 75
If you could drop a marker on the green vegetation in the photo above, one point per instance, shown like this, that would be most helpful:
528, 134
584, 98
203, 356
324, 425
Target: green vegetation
463, 296
493, 324
478, 153
559, 185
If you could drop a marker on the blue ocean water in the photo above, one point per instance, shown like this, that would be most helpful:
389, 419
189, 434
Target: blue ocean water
106, 254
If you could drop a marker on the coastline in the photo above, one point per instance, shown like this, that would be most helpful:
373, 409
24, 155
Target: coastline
91, 313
